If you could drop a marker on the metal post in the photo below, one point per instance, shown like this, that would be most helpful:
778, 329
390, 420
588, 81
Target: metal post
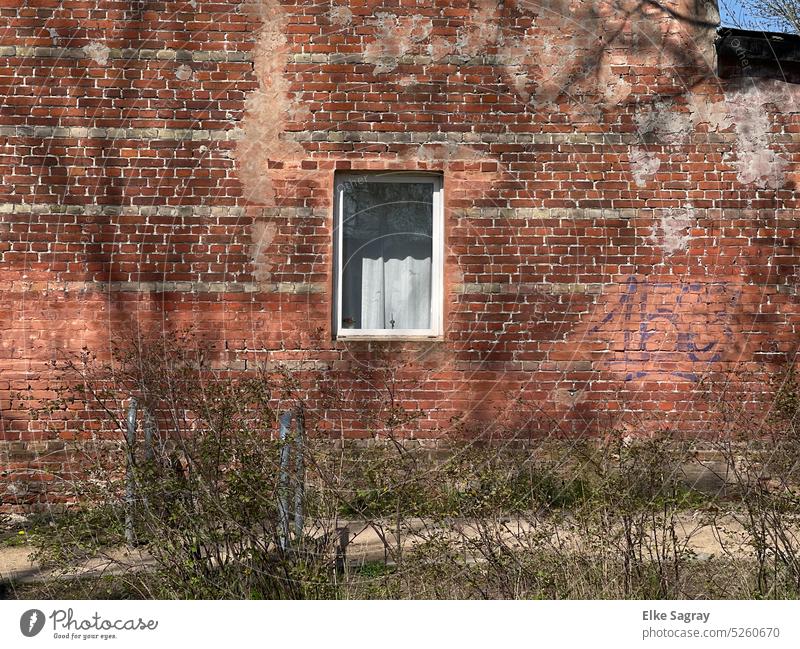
130, 493
149, 425
299, 474
342, 541
283, 485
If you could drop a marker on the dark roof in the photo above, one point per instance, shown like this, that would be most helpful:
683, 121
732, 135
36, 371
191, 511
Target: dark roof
744, 53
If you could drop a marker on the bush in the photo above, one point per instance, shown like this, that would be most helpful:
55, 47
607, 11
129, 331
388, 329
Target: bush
216, 490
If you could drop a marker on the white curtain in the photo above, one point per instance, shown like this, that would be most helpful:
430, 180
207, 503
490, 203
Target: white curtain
396, 293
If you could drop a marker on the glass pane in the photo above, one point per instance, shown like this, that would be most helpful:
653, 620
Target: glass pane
387, 255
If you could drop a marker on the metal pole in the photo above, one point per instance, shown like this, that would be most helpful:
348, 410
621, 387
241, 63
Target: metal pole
299, 474
130, 493
283, 486
149, 425
342, 541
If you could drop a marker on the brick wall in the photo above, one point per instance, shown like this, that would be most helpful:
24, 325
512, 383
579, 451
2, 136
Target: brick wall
619, 222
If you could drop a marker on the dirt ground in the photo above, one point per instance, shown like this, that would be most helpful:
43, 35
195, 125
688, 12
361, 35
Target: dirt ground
366, 544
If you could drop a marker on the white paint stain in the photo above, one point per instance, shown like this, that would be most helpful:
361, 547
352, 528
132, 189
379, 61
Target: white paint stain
340, 15
744, 111
184, 72
672, 231
664, 122
614, 87
756, 163
395, 37
407, 80
482, 29
266, 108
644, 165
262, 235
97, 51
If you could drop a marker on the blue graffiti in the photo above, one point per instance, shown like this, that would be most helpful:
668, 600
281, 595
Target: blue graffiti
640, 321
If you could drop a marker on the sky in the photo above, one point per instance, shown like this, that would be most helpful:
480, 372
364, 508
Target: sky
739, 13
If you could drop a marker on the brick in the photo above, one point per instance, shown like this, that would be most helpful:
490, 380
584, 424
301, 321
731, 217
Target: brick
608, 236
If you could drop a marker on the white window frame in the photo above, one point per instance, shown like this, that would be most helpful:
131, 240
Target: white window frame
437, 254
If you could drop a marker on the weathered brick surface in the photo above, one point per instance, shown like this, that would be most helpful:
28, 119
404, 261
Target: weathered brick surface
619, 222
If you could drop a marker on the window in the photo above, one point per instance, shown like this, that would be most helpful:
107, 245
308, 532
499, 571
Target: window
388, 240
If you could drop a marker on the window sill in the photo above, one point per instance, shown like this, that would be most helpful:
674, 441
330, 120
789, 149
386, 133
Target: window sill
389, 337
